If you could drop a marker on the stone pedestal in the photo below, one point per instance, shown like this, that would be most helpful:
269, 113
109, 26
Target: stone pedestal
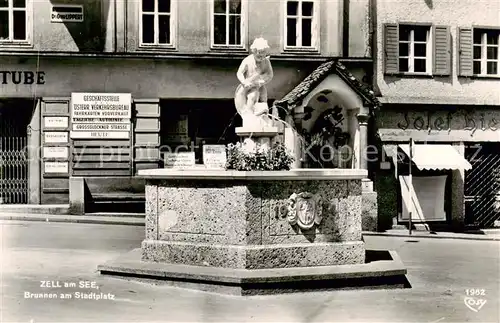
259, 232
264, 136
258, 129
245, 223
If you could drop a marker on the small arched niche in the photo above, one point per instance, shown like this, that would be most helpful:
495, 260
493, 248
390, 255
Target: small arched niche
334, 106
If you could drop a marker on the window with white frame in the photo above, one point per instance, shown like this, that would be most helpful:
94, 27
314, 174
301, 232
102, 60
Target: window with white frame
486, 52
301, 24
415, 49
228, 23
13, 21
157, 23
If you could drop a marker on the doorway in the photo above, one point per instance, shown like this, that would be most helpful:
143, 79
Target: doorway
482, 185
15, 116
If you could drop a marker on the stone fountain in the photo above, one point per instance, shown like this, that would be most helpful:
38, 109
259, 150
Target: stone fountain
256, 232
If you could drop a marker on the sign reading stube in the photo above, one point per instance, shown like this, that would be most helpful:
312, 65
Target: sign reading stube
101, 115
22, 77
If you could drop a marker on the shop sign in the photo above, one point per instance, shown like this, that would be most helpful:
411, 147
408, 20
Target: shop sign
56, 167
100, 134
101, 127
460, 120
179, 160
56, 137
101, 115
55, 122
66, 13
55, 152
214, 156
22, 77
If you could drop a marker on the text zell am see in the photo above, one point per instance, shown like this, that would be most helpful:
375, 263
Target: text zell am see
84, 290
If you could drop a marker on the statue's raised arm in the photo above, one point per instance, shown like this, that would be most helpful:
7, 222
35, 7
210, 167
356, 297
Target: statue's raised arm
254, 72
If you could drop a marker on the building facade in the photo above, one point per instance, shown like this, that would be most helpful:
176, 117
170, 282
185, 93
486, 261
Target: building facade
174, 62
437, 72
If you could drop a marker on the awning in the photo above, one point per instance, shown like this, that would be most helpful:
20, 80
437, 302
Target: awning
436, 157
391, 150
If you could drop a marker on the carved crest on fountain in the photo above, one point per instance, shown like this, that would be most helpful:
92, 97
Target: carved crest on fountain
304, 209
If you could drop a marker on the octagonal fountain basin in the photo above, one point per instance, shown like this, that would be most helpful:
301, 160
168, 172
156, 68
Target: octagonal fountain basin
256, 232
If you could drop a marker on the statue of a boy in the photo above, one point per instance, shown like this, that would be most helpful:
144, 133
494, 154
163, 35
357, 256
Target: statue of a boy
254, 73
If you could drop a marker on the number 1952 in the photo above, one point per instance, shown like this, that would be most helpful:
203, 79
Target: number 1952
475, 292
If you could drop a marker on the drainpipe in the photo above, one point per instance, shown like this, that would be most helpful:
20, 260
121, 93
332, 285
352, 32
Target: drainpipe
373, 42
374, 53
345, 29
115, 23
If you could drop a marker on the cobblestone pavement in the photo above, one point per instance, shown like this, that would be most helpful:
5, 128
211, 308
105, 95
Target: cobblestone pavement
440, 271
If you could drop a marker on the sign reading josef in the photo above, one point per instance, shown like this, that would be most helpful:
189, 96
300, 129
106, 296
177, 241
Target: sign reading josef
100, 115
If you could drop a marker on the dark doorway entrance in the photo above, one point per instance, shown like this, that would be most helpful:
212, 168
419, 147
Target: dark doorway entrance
187, 125
15, 115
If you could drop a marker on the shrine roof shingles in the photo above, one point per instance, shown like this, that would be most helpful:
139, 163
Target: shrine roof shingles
295, 96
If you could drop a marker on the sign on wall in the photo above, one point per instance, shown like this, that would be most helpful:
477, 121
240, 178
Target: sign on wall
56, 167
439, 125
55, 122
66, 13
56, 137
179, 160
101, 115
56, 152
22, 77
214, 156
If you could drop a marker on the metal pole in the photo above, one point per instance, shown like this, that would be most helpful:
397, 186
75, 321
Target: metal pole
410, 183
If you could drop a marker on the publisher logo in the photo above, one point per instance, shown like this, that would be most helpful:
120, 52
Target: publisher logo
474, 304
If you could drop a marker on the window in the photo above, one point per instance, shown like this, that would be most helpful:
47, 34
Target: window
417, 49
486, 52
157, 23
228, 23
13, 21
414, 49
301, 24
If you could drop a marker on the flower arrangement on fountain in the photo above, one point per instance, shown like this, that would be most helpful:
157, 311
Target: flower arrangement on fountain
260, 158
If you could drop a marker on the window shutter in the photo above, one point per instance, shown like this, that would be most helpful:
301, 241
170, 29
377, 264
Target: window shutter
442, 51
244, 19
465, 51
391, 48
315, 27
